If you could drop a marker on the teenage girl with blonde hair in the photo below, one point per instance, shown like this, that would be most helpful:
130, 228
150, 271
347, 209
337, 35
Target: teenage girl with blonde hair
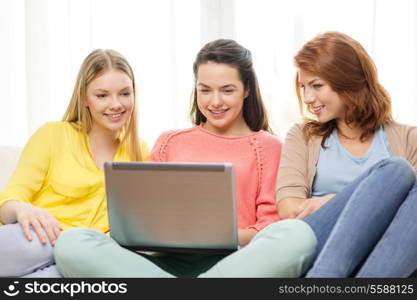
59, 182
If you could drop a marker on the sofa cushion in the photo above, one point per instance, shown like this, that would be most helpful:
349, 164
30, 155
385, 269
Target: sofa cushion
8, 157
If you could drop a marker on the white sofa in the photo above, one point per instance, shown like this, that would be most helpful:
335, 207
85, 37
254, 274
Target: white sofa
8, 158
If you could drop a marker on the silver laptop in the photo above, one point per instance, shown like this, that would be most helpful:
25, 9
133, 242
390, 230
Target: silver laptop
181, 207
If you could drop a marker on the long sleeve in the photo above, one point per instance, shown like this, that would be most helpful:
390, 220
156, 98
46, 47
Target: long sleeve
31, 169
411, 146
158, 153
292, 179
268, 164
403, 141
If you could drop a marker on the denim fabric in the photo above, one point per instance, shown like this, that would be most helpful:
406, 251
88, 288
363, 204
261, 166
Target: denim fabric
395, 255
350, 225
22, 258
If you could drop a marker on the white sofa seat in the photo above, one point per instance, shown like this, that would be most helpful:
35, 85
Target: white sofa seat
8, 157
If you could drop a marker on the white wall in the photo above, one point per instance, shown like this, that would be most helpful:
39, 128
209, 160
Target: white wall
45, 41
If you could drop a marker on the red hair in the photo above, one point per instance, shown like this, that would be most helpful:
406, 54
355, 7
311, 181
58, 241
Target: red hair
346, 66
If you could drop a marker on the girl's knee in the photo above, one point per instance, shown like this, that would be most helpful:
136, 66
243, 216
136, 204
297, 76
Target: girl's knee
302, 232
20, 256
401, 165
292, 231
16, 244
75, 249
73, 243
74, 238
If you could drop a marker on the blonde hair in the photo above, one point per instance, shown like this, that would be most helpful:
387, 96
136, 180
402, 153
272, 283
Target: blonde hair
77, 113
346, 66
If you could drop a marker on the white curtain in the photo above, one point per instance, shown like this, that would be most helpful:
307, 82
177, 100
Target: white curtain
275, 30
44, 42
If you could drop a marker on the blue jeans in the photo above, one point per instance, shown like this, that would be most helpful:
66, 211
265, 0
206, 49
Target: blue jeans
369, 228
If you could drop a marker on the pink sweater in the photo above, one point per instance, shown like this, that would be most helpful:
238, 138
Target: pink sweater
255, 158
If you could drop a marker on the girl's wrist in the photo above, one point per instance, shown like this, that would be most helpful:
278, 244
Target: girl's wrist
8, 211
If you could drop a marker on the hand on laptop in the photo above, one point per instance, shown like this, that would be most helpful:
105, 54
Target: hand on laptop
246, 235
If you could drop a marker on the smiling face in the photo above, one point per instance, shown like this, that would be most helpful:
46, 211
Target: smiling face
220, 98
110, 99
320, 98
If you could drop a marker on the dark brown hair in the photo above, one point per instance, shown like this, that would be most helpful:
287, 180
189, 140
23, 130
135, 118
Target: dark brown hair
224, 51
346, 66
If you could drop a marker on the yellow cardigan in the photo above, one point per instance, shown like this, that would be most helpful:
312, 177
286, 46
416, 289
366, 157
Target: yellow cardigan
56, 172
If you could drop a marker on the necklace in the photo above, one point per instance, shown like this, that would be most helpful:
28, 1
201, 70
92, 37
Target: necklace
342, 135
